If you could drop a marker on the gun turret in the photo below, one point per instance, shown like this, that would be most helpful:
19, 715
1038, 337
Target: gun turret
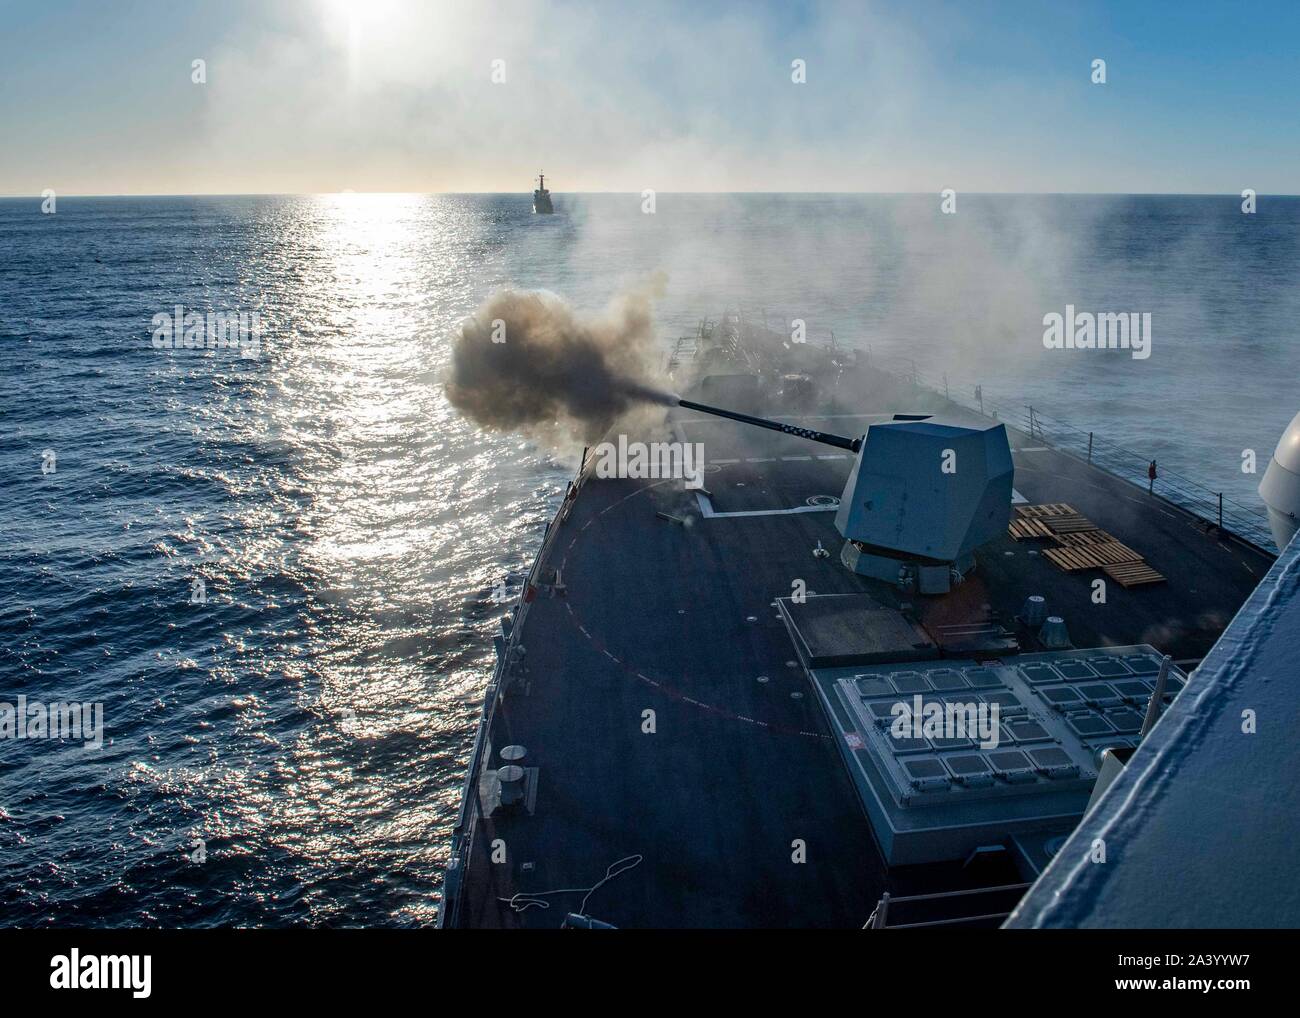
924, 492
838, 441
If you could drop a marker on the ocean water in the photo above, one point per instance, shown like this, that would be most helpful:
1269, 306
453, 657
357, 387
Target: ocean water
291, 749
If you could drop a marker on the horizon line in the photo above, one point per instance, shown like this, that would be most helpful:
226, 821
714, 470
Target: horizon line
637, 194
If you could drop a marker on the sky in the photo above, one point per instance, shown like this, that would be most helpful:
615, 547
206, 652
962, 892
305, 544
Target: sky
311, 96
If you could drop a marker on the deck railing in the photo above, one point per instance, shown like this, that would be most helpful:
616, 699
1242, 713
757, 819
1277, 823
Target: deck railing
1250, 523
880, 918
462, 837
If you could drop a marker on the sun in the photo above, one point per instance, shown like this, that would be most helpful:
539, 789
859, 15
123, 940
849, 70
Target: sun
344, 20
366, 30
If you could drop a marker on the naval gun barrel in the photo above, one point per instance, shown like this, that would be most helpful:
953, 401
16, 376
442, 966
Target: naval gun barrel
851, 444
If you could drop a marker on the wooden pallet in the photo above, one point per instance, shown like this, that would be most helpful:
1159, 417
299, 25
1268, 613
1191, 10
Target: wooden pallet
1092, 556
1021, 530
1070, 559
1132, 574
1050, 509
1113, 553
1070, 524
1083, 538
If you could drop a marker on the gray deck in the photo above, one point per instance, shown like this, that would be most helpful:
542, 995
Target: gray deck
679, 620
1203, 789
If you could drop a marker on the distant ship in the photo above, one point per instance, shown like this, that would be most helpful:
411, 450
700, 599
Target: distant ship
542, 197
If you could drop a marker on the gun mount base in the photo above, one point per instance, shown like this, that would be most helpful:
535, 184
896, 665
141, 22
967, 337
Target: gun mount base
907, 572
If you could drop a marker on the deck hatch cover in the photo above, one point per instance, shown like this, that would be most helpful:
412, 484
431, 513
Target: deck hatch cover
833, 630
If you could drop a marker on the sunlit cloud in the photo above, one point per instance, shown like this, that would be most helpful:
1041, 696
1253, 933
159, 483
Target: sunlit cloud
383, 95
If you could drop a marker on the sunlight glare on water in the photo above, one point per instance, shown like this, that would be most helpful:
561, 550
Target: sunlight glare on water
310, 724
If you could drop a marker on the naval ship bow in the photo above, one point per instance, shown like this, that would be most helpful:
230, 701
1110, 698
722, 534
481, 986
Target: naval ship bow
692, 718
